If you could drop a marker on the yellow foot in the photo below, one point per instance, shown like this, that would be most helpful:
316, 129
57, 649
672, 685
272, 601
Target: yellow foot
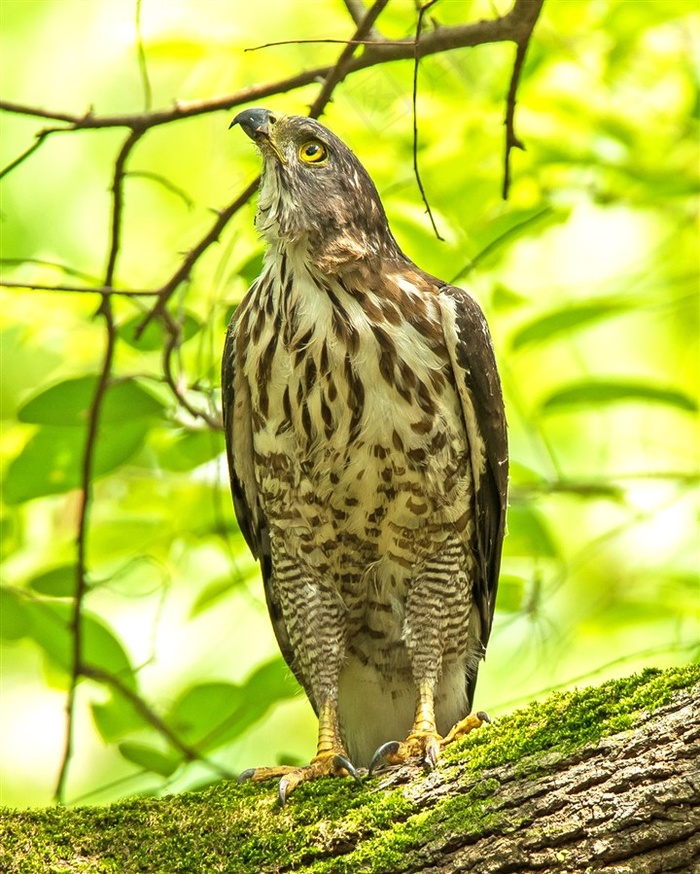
327, 764
425, 745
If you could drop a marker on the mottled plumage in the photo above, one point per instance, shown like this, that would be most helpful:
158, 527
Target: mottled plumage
367, 448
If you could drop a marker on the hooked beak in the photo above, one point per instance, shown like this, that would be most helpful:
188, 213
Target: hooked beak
257, 124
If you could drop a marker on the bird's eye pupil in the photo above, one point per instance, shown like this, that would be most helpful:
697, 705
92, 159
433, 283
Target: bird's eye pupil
313, 153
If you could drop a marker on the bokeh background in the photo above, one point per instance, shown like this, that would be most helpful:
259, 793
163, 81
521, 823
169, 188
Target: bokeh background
588, 275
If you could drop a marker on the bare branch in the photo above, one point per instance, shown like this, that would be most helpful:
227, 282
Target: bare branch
102, 289
342, 42
174, 333
88, 462
189, 754
532, 9
342, 67
508, 28
419, 25
20, 159
183, 272
336, 75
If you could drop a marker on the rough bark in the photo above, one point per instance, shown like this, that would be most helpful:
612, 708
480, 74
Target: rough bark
602, 780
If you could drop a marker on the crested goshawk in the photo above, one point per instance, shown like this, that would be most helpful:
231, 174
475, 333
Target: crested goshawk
366, 442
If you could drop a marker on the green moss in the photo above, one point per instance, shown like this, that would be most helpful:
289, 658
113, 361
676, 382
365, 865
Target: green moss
331, 826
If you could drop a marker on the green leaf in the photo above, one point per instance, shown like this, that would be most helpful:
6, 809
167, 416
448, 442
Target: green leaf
504, 298
50, 627
528, 533
117, 716
149, 758
191, 450
511, 593
252, 268
594, 393
51, 462
153, 336
69, 403
15, 623
59, 582
203, 709
219, 589
564, 320
211, 714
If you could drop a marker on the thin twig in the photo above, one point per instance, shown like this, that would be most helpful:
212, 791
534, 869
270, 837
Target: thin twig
532, 9
419, 25
166, 183
103, 290
342, 65
342, 42
143, 66
189, 753
498, 241
507, 28
45, 262
174, 334
20, 159
88, 462
183, 272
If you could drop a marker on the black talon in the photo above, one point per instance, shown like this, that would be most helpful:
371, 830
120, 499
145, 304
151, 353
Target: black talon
282, 791
245, 775
483, 716
341, 763
391, 747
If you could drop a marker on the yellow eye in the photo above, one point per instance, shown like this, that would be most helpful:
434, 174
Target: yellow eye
313, 152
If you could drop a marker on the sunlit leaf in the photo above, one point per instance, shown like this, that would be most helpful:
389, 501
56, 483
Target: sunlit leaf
504, 298
495, 236
219, 589
528, 533
251, 269
153, 335
15, 623
59, 582
8, 534
592, 393
191, 450
51, 462
211, 714
203, 709
562, 321
69, 403
50, 627
117, 717
511, 593
150, 758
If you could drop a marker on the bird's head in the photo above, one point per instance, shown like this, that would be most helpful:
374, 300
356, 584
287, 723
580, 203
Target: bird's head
314, 193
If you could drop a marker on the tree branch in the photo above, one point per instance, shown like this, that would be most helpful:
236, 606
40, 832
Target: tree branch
507, 28
601, 779
342, 65
88, 462
532, 9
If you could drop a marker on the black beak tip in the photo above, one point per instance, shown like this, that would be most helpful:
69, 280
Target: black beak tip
255, 121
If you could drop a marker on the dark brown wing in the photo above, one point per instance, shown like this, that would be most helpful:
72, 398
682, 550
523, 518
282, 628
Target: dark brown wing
479, 387
237, 416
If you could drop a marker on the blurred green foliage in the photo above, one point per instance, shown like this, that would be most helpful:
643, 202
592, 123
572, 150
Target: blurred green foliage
589, 277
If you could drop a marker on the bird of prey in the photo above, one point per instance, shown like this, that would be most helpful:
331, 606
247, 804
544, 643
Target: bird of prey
366, 443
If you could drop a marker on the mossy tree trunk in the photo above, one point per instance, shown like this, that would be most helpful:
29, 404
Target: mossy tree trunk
605, 779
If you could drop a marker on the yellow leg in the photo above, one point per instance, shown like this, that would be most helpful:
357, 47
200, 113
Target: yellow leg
330, 760
423, 740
